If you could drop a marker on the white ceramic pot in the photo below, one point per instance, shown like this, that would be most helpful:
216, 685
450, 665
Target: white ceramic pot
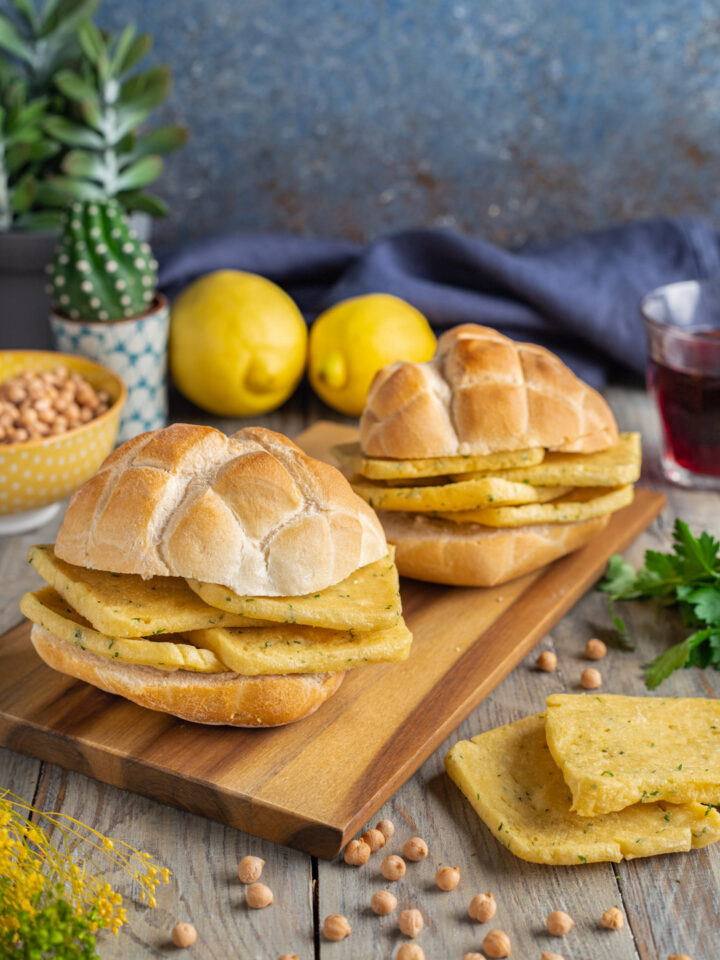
135, 349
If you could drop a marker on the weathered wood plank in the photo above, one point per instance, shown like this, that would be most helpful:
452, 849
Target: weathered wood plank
205, 889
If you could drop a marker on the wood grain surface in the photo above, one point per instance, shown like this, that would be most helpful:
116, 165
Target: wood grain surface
311, 784
671, 903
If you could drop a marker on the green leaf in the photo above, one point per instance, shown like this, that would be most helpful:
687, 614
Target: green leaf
138, 50
74, 86
26, 9
147, 90
705, 602
91, 41
624, 640
140, 174
162, 140
700, 554
45, 221
82, 163
23, 194
121, 50
673, 659
128, 119
75, 189
72, 134
144, 202
12, 42
619, 577
64, 17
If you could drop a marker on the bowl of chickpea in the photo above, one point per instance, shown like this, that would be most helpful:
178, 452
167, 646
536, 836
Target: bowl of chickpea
59, 418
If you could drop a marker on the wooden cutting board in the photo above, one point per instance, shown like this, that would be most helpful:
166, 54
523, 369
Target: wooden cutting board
312, 784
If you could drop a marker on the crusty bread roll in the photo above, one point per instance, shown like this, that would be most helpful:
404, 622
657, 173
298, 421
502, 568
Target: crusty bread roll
482, 393
217, 698
471, 555
251, 512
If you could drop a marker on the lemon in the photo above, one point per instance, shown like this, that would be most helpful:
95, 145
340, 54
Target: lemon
352, 340
238, 344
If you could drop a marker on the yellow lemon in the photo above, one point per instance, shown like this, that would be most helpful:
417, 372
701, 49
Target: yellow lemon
352, 340
238, 344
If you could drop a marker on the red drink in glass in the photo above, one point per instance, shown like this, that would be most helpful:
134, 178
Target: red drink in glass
683, 374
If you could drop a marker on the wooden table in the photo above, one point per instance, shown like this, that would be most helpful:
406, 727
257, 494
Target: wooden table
672, 903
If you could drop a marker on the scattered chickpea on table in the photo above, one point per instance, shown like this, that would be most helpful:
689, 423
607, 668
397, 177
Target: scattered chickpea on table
482, 908
415, 849
37, 404
411, 922
612, 919
559, 923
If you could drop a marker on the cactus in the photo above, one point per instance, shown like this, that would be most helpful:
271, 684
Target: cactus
101, 271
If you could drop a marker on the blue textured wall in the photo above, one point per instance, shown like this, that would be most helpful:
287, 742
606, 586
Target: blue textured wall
523, 119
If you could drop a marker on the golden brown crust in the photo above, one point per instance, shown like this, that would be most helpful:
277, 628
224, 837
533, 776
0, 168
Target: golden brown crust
471, 555
220, 698
251, 512
482, 393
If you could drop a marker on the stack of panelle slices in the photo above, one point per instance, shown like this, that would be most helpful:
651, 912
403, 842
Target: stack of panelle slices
488, 461
597, 778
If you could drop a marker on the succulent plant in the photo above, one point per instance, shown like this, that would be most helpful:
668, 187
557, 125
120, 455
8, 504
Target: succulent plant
101, 271
24, 148
43, 41
107, 157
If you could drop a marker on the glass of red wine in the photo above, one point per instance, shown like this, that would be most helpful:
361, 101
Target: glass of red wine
683, 374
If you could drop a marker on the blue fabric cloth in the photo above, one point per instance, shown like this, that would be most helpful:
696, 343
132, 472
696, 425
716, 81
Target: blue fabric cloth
579, 297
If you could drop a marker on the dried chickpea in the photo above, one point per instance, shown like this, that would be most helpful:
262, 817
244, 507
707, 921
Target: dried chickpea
357, 852
678, 956
591, 679
393, 867
258, 895
183, 934
415, 849
559, 923
612, 919
447, 878
289, 956
410, 951
595, 649
34, 404
482, 907
249, 869
551, 956
411, 922
336, 927
386, 828
374, 839
496, 944
473, 956
383, 902
547, 661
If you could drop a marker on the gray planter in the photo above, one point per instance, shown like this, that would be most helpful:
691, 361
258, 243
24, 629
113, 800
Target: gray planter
24, 303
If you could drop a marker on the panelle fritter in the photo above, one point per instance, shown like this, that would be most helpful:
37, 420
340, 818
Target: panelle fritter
515, 787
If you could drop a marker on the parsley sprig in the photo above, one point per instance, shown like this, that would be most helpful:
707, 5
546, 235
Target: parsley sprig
688, 577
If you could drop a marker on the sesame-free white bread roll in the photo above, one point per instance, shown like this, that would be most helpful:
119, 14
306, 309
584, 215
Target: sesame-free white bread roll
217, 698
251, 512
472, 555
482, 393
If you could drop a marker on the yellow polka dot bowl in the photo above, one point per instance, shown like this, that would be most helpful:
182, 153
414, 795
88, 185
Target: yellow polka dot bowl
37, 474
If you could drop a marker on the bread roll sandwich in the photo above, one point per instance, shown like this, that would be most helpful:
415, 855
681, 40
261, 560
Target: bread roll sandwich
489, 460
225, 580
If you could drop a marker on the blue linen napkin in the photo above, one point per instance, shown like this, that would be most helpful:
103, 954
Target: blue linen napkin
579, 297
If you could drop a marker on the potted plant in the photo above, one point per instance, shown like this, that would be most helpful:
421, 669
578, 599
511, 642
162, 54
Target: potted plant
106, 307
94, 103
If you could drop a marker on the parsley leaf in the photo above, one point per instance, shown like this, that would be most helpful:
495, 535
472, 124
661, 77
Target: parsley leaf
688, 577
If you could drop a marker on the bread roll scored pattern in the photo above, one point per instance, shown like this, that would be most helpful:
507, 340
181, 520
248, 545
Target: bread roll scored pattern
482, 393
250, 511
